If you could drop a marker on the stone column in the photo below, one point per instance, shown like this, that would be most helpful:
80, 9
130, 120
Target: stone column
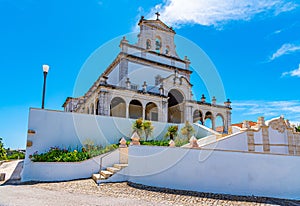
265, 138
144, 112
265, 134
164, 111
123, 159
190, 118
250, 135
123, 72
297, 142
106, 104
101, 103
228, 120
291, 142
213, 122
127, 110
290, 137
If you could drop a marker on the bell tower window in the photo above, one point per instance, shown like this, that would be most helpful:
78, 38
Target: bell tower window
158, 45
148, 44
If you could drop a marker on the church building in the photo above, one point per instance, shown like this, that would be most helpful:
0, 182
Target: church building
149, 80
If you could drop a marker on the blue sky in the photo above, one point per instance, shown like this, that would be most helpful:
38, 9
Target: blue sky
254, 45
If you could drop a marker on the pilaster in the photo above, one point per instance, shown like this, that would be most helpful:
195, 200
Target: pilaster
265, 138
250, 135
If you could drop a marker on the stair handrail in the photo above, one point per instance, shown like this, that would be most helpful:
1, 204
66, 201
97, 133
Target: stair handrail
101, 158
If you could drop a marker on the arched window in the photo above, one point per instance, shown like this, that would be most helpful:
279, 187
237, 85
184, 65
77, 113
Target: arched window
135, 109
208, 120
97, 107
198, 117
220, 123
175, 106
158, 44
148, 44
117, 107
151, 112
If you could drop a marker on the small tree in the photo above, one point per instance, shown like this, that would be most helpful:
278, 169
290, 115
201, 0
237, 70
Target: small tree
138, 127
172, 131
297, 128
148, 128
187, 130
2, 151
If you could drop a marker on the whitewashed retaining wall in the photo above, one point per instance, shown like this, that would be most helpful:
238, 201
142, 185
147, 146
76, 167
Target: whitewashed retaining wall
62, 171
236, 142
64, 130
236, 173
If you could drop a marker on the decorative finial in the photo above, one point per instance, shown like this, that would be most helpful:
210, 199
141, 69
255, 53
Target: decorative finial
203, 98
157, 15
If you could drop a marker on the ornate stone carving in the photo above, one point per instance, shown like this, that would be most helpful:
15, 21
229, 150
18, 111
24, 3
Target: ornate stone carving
278, 124
246, 124
261, 121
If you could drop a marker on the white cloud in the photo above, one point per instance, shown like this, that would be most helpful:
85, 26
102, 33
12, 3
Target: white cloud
269, 109
293, 73
217, 12
285, 49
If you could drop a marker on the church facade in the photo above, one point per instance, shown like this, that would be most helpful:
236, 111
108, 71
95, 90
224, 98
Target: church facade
149, 80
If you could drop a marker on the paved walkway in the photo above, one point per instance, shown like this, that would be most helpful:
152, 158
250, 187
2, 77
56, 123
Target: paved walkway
11, 169
86, 192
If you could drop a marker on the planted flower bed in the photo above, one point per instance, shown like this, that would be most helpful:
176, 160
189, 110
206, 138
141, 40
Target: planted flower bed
56, 154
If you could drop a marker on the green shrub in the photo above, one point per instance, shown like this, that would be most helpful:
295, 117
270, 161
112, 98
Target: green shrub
16, 155
155, 143
56, 154
180, 141
2, 151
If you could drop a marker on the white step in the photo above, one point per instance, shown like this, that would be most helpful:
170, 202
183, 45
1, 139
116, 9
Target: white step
97, 177
120, 166
113, 169
106, 173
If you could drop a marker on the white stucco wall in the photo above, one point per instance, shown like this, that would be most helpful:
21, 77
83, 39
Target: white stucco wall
236, 173
71, 130
136, 74
237, 142
113, 77
62, 171
66, 129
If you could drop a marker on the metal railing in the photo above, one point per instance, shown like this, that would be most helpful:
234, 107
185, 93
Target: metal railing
105, 155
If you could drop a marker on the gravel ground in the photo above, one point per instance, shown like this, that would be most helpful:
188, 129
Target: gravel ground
86, 192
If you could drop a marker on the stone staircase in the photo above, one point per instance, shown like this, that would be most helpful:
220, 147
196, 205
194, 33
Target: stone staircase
105, 174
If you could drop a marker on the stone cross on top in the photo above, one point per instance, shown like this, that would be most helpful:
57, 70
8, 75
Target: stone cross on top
157, 15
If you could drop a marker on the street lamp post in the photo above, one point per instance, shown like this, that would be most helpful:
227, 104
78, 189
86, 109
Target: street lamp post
45, 70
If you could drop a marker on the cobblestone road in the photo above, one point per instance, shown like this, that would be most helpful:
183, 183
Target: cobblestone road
86, 192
